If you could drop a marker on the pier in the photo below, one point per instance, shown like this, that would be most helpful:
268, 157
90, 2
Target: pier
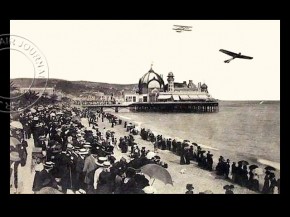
195, 107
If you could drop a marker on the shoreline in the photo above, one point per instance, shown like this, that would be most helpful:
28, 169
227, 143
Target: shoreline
260, 161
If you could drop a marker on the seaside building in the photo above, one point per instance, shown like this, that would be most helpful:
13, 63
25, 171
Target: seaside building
152, 88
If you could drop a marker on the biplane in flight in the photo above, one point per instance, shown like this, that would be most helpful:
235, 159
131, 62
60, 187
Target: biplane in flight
234, 55
179, 28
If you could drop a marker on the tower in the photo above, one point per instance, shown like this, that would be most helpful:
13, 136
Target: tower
170, 79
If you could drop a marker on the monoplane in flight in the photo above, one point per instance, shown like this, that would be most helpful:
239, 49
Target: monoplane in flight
179, 28
234, 55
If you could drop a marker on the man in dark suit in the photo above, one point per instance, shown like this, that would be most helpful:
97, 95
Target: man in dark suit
45, 178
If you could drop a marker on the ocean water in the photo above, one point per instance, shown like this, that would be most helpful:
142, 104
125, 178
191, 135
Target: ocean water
241, 130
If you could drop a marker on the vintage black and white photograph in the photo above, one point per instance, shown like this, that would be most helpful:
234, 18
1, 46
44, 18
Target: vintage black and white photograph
144, 106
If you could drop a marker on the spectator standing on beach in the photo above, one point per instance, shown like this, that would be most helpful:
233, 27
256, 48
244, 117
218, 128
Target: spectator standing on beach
227, 168
182, 156
234, 171
255, 186
244, 176
187, 155
191, 153
239, 171
189, 189
174, 145
209, 161
273, 183
169, 144
155, 143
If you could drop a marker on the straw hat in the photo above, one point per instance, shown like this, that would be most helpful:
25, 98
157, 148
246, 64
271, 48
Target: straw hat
83, 151
100, 161
70, 146
14, 156
48, 164
107, 164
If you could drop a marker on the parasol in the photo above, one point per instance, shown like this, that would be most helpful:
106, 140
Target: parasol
157, 172
48, 190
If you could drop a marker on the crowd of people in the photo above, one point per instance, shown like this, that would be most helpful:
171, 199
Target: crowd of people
73, 158
79, 159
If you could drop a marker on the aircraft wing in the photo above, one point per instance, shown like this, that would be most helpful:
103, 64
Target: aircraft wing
228, 52
183, 26
245, 57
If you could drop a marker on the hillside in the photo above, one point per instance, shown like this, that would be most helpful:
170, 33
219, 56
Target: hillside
75, 87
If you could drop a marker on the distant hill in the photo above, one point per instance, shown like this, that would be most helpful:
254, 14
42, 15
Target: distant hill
75, 87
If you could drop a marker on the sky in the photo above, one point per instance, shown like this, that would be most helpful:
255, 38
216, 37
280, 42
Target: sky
121, 51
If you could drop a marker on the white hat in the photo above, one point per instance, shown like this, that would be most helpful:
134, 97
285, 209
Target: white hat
49, 164
100, 161
83, 151
149, 190
35, 118
70, 146
106, 164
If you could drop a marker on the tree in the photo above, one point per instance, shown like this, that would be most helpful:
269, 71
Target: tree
28, 98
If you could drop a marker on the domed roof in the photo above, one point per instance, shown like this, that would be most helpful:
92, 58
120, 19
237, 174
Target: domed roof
150, 76
170, 74
204, 86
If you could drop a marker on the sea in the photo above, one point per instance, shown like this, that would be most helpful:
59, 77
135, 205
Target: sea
240, 130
